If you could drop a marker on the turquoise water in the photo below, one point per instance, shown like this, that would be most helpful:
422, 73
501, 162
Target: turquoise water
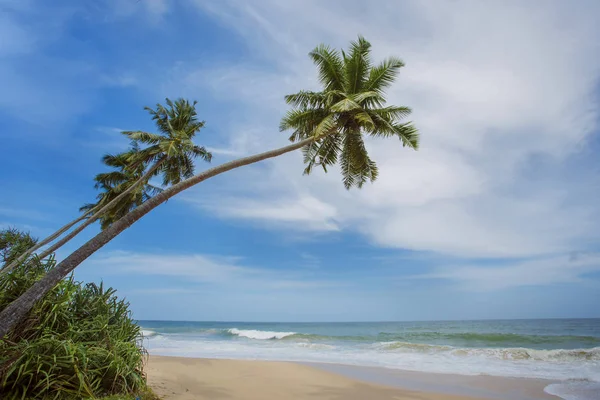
565, 350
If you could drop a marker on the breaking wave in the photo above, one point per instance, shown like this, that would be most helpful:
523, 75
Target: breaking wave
560, 355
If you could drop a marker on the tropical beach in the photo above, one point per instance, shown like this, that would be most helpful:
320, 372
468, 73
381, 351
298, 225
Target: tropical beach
518, 359
299, 200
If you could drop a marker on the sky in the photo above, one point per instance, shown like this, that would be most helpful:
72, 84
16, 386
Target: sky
494, 217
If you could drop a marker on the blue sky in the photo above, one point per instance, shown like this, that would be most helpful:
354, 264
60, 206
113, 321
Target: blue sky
495, 217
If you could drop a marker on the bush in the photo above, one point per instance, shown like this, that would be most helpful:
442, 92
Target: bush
12, 243
80, 341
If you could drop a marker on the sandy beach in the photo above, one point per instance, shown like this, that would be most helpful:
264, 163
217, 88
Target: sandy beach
177, 378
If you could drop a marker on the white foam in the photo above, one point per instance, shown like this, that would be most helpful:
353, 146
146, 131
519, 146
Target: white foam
259, 335
575, 390
147, 333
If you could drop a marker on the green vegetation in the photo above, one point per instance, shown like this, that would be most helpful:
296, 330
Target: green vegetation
13, 243
79, 341
113, 183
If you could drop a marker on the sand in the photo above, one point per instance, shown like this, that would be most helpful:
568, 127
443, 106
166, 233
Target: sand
175, 378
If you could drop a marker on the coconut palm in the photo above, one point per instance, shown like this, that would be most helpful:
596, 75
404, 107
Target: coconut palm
351, 105
171, 153
329, 125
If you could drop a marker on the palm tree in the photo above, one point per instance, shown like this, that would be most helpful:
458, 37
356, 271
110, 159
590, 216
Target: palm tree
328, 125
171, 153
350, 106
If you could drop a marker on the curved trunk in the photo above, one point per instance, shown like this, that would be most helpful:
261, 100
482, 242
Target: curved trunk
47, 240
100, 212
19, 308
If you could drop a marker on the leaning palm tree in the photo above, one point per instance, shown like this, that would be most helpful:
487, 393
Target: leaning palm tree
328, 125
171, 153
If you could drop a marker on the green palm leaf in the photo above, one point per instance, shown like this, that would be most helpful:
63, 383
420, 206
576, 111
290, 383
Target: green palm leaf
331, 67
382, 76
357, 65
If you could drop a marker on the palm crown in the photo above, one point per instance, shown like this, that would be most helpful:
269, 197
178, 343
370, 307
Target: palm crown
173, 146
113, 183
169, 153
351, 104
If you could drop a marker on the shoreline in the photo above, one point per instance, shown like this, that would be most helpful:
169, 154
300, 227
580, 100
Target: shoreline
183, 378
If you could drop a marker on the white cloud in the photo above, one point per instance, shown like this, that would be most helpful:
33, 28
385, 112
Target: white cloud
198, 269
301, 213
548, 271
488, 96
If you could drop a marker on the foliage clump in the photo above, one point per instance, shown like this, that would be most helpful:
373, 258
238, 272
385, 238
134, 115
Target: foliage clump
79, 342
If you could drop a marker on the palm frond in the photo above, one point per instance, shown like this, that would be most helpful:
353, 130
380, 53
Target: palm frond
331, 67
304, 99
357, 166
392, 114
357, 65
344, 105
144, 137
200, 151
115, 160
383, 75
322, 153
303, 121
364, 120
326, 126
369, 98
112, 178
409, 135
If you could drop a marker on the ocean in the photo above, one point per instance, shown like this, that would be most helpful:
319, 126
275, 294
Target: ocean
566, 351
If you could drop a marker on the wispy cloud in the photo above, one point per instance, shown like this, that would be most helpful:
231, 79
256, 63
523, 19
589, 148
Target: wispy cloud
24, 214
303, 213
561, 270
206, 269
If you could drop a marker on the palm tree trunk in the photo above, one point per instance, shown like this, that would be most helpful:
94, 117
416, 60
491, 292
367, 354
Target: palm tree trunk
101, 212
19, 308
47, 240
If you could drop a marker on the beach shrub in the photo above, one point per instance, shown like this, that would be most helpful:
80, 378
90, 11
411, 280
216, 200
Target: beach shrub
13, 243
79, 342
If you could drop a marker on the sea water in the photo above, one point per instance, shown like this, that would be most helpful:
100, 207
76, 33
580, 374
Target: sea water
566, 351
